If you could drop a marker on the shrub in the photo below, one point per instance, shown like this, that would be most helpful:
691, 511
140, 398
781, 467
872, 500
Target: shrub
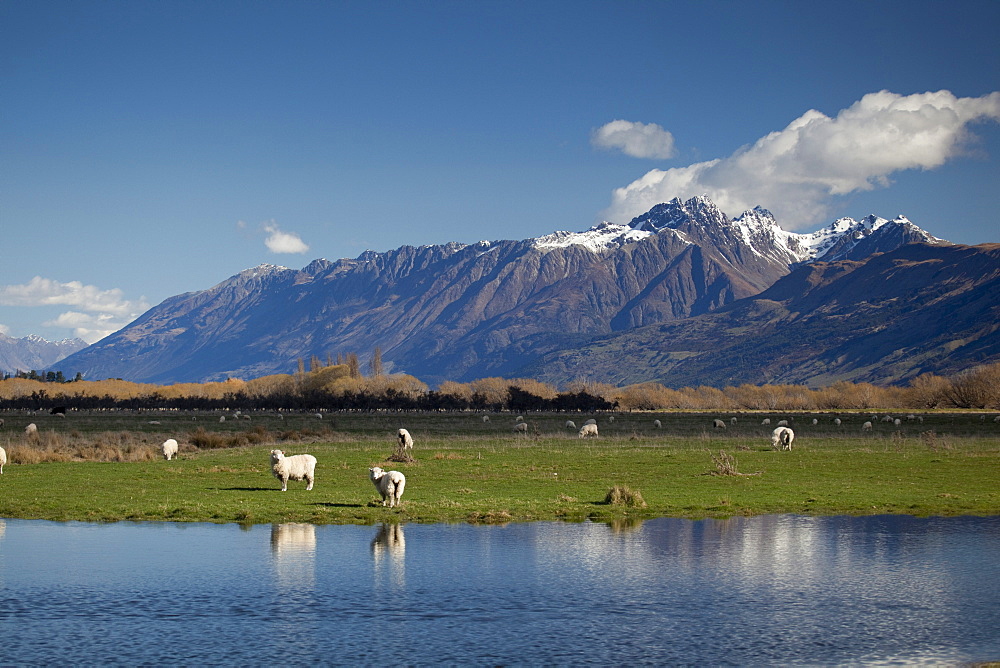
621, 495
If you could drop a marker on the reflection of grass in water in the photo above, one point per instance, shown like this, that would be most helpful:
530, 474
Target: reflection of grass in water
473, 474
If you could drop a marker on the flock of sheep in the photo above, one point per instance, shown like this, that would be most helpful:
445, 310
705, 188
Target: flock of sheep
389, 484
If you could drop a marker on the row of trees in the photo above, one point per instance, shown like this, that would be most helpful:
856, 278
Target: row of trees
342, 386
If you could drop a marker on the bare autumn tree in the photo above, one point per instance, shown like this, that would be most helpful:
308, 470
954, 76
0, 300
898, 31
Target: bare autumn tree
375, 365
353, 366
976, 388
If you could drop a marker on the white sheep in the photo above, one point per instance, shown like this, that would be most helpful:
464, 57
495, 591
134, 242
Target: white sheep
836, 421
765, 421
3, 459
782, 437
815, 422
867, 426
591, 421
897, 422
732, 420
521, 428
31, 431
782, 423
588, 430
486, 418
718, 424
519, 419
296, 467
222, 418
319, 416
570, 424
657, 424
611, 418
390, 485
169, 448
405, 440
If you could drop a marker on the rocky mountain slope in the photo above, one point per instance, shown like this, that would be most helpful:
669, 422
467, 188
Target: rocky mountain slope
458, 312
886, 319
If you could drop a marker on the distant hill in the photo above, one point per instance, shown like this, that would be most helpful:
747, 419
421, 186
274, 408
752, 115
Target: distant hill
34, 353
495, 308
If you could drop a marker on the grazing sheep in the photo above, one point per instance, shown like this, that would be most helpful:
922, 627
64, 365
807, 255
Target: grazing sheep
1, 423
815, 421
782, 437
867, 426
996, 419
519, 419
836, 421
319, 416
765, 421
887, 418
718, 424
588, 430
3, 459
782, 423
732, 420
897, 422
656, 423
169, 448
611, 418
591, 421
222, 418
296, 467
570, 424
31, 431
521, 428
486, 418
389, 484
405, 440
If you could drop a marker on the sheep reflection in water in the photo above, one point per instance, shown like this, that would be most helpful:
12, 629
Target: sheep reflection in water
293, 547
390, 543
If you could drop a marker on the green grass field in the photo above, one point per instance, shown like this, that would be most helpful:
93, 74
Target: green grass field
470, 471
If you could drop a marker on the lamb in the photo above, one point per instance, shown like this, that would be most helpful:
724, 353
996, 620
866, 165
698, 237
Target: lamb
718, 424
521, 428
169, 448
296, 467
390, 485
405, 440
782, 437
3, 459
588, 430
570, 424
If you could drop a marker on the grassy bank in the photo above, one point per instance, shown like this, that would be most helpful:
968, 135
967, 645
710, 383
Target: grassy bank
467, 470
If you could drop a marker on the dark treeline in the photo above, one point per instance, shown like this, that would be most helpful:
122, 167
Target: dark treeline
387, 400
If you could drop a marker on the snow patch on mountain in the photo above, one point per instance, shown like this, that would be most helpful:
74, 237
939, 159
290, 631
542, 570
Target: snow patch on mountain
598, 238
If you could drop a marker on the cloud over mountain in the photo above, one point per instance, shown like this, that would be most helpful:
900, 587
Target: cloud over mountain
279, 241
99, 312
798, 172
639, 140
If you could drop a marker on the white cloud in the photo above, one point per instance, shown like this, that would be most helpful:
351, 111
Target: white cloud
5, 330
639, 140
101, 312
283, 242
798, 172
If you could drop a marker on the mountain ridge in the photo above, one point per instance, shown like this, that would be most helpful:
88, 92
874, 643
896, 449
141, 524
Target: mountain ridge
462, 311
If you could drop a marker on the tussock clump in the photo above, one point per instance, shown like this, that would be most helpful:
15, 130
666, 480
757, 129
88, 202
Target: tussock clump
725, 464
492, 517
401, 455
621, 495
210, 440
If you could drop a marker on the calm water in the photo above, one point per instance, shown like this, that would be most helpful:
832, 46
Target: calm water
745, 591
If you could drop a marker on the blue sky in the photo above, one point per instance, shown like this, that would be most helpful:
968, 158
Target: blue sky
153, 148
